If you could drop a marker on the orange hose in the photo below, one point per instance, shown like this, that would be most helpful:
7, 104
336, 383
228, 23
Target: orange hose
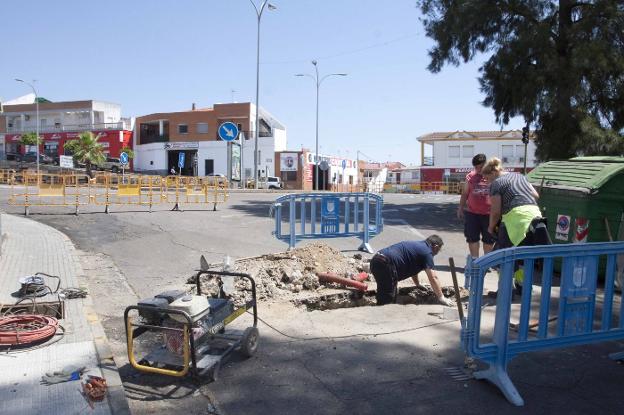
26, 328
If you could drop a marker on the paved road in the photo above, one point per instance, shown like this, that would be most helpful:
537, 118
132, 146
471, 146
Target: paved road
317, 370
159, 249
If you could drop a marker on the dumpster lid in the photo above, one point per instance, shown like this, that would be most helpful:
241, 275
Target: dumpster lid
605, 159
585, 174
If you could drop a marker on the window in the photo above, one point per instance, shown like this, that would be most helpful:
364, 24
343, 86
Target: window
202, 128
182, 129
507, 151
289, 176
453, 151
467, 152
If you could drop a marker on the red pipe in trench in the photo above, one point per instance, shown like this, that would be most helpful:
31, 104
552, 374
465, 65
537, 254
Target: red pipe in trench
329, 277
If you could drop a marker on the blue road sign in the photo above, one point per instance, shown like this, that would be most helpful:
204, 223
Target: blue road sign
123, 158
228, 131
181, 159
344, 164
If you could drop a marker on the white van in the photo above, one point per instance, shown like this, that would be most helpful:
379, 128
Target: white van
270, 182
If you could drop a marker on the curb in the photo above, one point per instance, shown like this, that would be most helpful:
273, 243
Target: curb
115, 392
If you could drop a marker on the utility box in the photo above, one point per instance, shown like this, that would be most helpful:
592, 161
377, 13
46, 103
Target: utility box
579, 196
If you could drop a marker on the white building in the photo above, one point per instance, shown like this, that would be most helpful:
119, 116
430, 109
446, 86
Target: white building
161, 137
449, 154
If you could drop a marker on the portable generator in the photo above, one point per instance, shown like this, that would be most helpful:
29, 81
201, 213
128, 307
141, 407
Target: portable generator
189, 330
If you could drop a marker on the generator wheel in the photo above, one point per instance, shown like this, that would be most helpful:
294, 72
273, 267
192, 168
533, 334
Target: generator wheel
249, 342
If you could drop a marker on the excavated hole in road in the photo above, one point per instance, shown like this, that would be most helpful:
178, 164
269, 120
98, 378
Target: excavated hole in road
351, 299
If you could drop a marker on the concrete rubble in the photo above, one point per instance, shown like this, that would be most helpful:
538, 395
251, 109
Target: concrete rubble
292, 277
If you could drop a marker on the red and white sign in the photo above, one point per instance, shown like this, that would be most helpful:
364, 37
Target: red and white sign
582, 230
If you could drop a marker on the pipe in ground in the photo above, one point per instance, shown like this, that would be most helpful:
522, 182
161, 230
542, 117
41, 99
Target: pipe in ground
330, 277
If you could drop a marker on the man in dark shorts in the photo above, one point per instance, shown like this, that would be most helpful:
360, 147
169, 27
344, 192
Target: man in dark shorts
404, 260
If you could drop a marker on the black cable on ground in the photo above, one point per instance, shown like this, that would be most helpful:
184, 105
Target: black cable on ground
354, 335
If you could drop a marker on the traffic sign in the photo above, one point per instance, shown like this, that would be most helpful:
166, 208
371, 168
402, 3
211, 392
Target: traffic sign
123, 158
324, 165
181, 159
344, 164
228, 131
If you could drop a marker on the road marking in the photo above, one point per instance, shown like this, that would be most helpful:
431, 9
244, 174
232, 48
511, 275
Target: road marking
390, 210
413, 209
409, 227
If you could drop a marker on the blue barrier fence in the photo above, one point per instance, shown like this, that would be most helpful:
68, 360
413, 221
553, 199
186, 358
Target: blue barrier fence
328, 215
571, 313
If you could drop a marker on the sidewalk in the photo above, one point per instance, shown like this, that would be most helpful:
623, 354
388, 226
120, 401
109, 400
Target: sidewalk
29, 247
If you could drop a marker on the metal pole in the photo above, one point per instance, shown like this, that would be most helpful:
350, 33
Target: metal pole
316, 171
256, 128
37, 128
525, 157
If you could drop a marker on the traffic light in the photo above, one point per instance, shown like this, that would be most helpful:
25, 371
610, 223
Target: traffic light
525, 135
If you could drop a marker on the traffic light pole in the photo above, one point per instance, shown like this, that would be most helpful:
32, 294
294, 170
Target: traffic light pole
525, 140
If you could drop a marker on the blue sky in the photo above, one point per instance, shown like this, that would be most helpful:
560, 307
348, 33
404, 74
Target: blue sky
152, 56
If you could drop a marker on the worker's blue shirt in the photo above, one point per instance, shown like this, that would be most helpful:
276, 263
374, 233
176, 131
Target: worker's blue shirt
409, 257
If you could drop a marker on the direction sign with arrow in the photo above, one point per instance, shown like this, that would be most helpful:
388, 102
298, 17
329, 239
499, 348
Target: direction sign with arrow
228, 131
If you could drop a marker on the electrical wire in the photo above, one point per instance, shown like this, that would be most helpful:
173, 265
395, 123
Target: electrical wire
385, 333
348, 52
57, 337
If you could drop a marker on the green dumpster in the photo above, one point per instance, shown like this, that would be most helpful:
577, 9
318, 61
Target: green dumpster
582, 198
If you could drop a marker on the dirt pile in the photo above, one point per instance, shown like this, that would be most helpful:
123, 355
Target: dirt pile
292, 274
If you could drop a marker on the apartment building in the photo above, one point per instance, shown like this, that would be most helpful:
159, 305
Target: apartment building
60, 122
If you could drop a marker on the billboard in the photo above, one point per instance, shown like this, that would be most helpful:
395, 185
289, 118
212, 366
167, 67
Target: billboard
236, 162
289, 162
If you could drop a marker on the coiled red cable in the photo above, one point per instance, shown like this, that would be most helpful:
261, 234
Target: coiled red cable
26, 328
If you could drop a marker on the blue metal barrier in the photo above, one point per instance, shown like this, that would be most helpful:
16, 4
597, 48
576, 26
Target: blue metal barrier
578, 320
341, 214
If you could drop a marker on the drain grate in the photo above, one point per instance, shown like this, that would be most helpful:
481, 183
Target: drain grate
458, 373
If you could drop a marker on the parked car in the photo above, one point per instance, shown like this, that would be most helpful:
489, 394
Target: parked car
112, 164
270, 182
31, 157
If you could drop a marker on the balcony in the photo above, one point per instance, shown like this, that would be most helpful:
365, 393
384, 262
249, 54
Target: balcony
121, 125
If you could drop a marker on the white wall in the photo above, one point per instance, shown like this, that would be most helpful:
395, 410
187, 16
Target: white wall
281, 140
491, 148
215, 150
212, 150
145, 153
112, 112
266, 150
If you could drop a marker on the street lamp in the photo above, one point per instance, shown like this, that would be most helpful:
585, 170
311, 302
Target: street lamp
259, 14
37, 117
318, 83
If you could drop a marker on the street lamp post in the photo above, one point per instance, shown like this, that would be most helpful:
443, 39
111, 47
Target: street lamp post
257, 128
318, 83
37, 118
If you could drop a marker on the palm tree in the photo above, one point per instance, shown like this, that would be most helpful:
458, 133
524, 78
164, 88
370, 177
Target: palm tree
87, 150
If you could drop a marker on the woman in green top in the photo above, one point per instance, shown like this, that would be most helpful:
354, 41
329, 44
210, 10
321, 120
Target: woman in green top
514, 206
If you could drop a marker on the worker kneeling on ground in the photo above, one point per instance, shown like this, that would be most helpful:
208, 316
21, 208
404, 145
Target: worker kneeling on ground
403, 260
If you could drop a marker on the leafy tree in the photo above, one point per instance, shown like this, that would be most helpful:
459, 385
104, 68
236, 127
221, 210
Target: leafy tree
559, 64
30, 139
87, 150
